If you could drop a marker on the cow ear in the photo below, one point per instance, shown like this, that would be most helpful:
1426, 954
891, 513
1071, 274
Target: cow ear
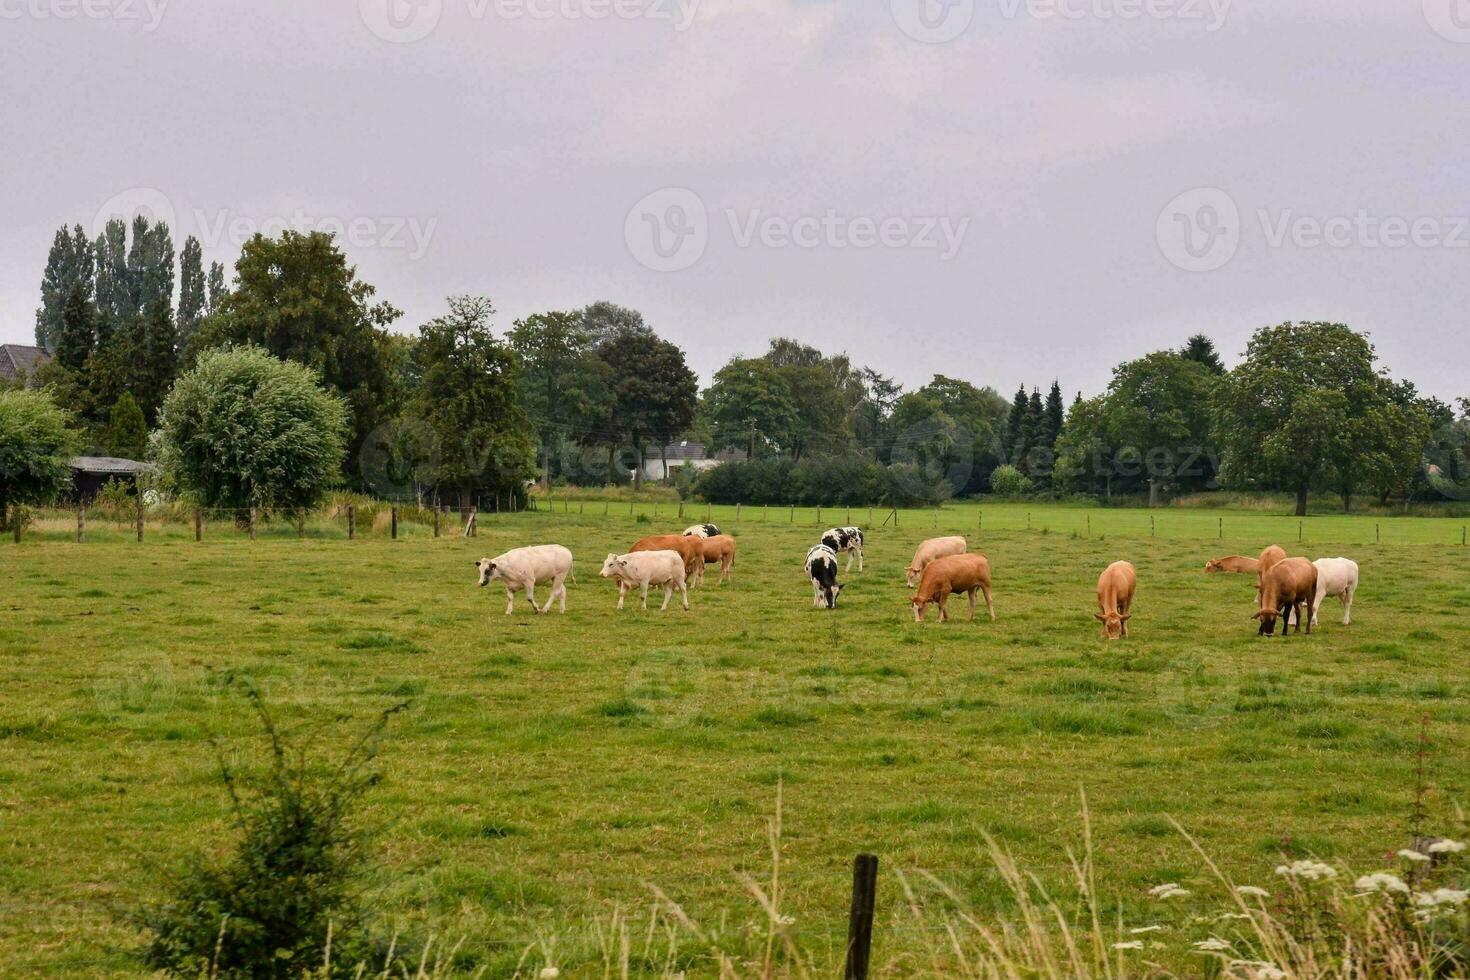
1125, 617
1100, 617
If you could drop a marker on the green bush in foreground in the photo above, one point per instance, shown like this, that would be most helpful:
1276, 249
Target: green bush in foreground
289, 891
245, 429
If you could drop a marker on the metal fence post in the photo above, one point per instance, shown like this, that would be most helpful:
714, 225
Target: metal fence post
81, 524
351, 522
198, 524
860, 917
140, 515
393, 519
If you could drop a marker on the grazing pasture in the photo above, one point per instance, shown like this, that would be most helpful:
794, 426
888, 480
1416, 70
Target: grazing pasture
551, 766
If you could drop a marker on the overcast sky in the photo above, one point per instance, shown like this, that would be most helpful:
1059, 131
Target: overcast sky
998, 190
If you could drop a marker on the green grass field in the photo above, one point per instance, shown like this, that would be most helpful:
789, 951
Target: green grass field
551, 767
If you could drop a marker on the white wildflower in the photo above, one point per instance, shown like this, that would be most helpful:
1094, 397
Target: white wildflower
1143, 929
1251, 891
1134, 944
1414, 856
1258, 970
1446, 846
1310, 870
1212, 945
1441, 896
785, 920
1169, 890
1381, 882
549, 973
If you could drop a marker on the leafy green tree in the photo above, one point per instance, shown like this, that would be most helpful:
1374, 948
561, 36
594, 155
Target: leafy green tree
1158, 407
246, 429
75, 336
1085, 460
604, 321
69, 269
468, 396
127, 432
217, 290
1302, 411
1201, 349
952, 430
192, 296
157, 359
563, 383
110, 255
749, 405
654, 394
37, 443
296, 297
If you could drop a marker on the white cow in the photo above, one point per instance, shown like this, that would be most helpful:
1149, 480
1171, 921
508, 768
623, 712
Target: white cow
640, 569
1339, 577
526, 568
929, 551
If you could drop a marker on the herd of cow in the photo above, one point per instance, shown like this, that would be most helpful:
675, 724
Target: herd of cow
1291, 589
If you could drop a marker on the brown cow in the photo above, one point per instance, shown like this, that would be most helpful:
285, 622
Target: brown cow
690, 548
955, 573
1290, 585
1115, 588
1234, 563
720, 548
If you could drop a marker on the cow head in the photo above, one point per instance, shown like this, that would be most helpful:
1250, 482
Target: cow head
911, 575
610, 566
1112, 624
488, 571
1213, 565
1268, 622
830, 594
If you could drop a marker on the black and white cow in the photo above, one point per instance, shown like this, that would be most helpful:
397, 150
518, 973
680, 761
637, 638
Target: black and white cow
821, 565
702, 531
848, 539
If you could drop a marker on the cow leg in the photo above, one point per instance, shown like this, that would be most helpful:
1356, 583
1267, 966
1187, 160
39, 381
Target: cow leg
1347, 606
989, 606
1123, 611
972, 602
944, 607
510, 600
668, 594
555, 585
645, 594
531, 596
684, 590
622, 592
561, 588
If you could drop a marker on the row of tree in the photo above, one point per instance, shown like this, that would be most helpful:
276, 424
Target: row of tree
585, 396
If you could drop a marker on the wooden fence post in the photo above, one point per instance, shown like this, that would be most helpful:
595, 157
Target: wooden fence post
819, 517
198, 524
1376, 537
849, 517
1299, 532
1150, 525
20, 521
793, 514
140, 516
737, 512
870, 517
351, 522
250, 522
1222, 529
681, 510
301, 522
393, 518
81, 524
860, 917
436, 520
1089, 525
475, 521
1028, 520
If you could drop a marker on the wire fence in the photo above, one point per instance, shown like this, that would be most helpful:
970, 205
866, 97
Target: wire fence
393, 520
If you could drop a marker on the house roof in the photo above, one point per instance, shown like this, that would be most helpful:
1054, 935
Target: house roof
106, 464
17, 359
684, 450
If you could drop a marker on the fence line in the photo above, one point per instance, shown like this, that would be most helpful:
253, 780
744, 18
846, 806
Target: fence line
395, 519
